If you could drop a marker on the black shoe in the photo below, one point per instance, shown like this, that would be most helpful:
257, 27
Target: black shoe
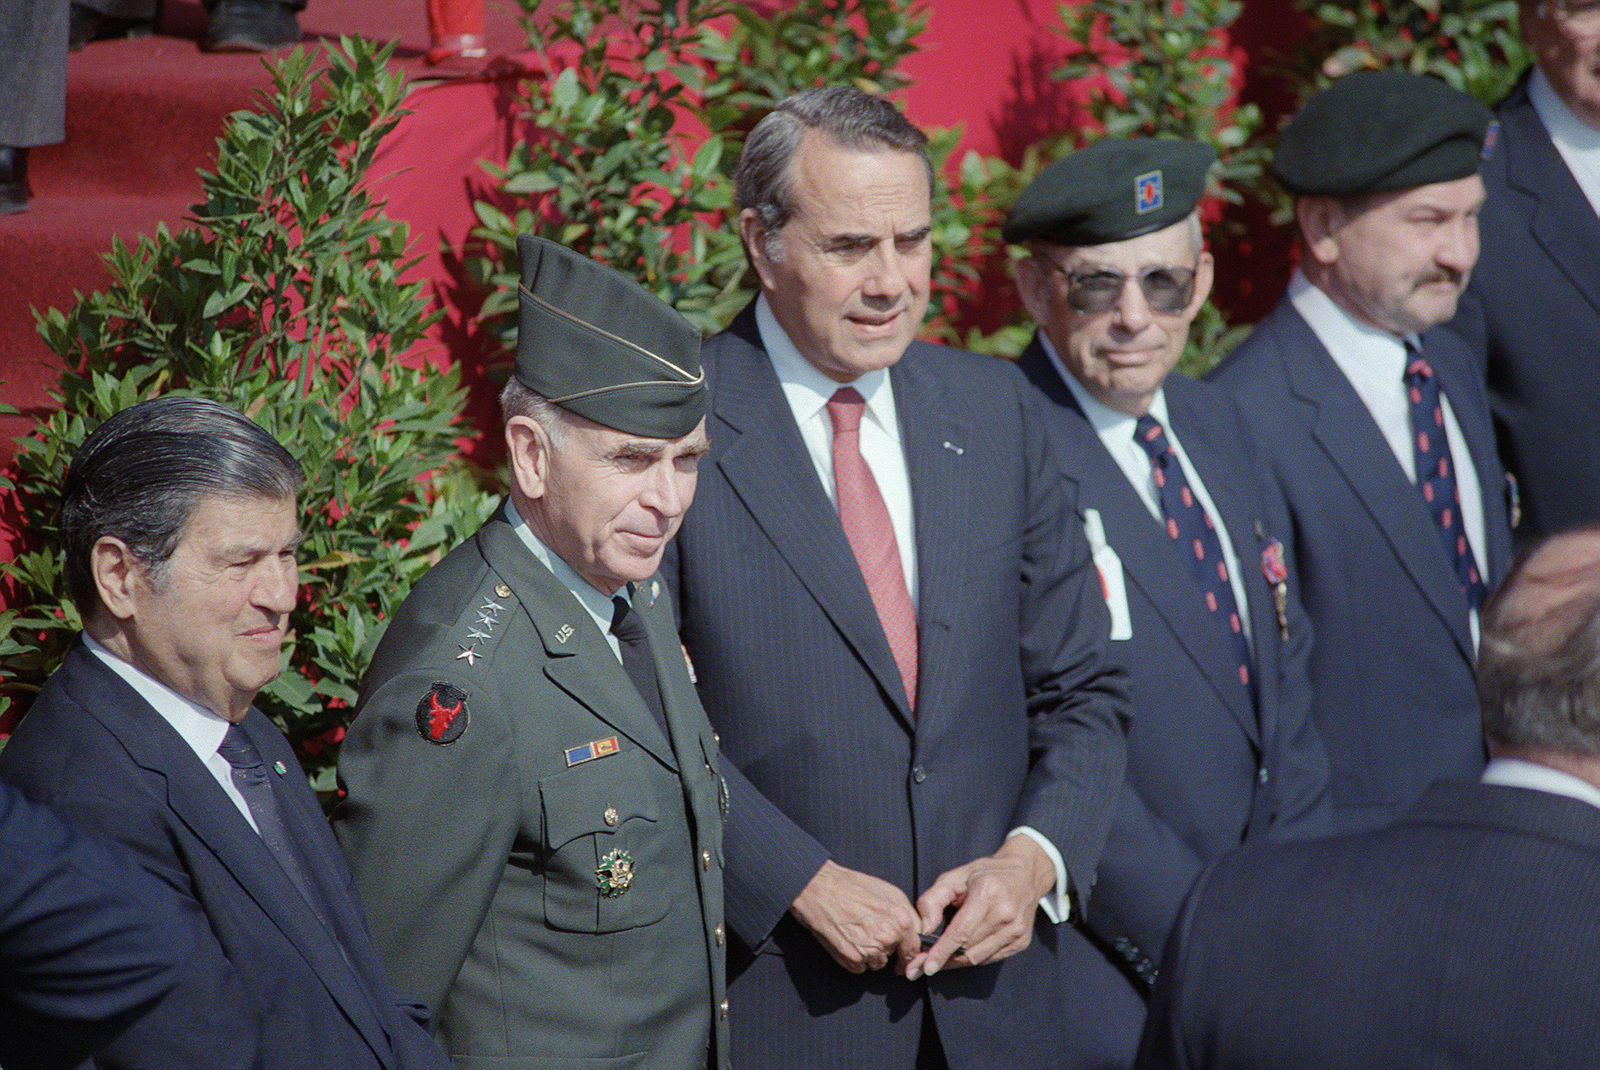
13, 180
89, 25
251, 26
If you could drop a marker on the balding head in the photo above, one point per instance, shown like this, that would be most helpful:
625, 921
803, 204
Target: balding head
1539, 662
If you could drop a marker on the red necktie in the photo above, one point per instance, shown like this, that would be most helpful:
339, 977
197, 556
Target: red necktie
866, 525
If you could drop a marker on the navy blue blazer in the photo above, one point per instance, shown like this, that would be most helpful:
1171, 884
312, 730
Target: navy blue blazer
265, 985
1207, 769
1019, 720
1463, 936
1532, 313
1391, 668
87, 940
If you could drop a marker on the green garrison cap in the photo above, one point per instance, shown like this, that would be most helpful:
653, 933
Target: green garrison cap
1115, 188
600, 345
1381, 130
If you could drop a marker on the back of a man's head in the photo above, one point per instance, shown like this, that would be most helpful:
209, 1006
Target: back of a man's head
1539, 661
140, 476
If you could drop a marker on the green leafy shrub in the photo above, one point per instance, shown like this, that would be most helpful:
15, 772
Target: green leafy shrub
640, 123
284, 300
1471, 44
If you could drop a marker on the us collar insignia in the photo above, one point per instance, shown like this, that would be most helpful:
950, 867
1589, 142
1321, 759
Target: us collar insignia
615, 873
442, 714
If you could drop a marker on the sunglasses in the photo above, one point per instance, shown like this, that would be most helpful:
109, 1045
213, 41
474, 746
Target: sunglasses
1166, 289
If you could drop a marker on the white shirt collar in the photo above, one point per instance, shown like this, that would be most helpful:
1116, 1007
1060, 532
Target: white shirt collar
599, 606
1516, 773
1362, 352
201, 728
808, 390
1102, 417
1576, 141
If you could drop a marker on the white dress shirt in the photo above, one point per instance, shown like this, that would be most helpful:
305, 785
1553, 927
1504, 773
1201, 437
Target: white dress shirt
1516, 773
1116, 431
1374, 362
597, 605
1576, 141
807, 390
199, 727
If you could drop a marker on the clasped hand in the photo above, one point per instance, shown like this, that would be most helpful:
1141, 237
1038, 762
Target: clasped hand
864, 922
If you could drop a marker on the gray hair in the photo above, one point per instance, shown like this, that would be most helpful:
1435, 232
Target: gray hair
1539, 661
854, 119
142, 474
518, 400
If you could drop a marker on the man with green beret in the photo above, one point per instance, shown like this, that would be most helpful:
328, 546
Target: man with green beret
534, 810
1377, 429
1187, 530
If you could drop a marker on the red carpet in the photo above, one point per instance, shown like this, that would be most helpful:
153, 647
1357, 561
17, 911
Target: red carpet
144, 115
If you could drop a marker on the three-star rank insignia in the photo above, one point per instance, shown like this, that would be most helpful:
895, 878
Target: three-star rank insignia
615, 873
442, 714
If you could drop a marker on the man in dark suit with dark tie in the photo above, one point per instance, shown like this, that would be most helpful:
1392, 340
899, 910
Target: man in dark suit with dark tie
180, 527
1376, 427
898, 636
535, 802
1532, 311
1465, 934
88, 941
1187, 529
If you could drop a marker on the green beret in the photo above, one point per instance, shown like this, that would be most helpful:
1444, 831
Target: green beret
1381, 130
600, 345
1115, 188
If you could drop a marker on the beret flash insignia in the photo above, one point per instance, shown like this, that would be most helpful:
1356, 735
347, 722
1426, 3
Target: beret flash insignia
442, 714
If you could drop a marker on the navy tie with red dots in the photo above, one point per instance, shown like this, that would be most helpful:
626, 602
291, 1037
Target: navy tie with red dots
1436, 478
1195, 538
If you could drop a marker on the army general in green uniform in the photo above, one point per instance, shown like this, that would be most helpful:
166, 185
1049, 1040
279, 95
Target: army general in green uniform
534, 810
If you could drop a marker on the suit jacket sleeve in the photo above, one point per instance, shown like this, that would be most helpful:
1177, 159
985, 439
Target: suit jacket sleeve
1077, 702
87, 941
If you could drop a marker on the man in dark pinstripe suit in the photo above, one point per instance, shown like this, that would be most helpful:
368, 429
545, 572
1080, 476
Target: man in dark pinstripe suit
896, 634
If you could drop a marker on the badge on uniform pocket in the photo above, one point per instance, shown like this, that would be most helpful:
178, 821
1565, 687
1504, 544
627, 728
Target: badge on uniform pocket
615, 873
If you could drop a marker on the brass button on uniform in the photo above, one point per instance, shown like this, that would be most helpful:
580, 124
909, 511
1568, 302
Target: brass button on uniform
611, 815
502, 591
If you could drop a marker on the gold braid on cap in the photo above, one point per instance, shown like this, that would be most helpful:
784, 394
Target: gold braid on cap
686, 380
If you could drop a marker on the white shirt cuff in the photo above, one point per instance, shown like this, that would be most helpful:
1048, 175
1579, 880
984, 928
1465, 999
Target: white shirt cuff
1057, 906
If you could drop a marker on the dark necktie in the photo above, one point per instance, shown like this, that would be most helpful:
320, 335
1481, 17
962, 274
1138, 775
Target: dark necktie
1436, 477
636, 659
1195, 538
871, 536
250, 776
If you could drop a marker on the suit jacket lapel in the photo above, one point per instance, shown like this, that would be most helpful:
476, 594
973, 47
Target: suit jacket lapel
1347, 434
1562, 220
579, 660
771, 472
935, 440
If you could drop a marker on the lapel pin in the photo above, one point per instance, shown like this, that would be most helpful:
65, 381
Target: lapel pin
1276, 571
953, 448
655, 591
278, 767
563, 633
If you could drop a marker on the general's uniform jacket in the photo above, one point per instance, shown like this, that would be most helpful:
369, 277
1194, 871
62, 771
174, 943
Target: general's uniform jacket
1391, 667
1532, 311
500, 760
1207, 769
